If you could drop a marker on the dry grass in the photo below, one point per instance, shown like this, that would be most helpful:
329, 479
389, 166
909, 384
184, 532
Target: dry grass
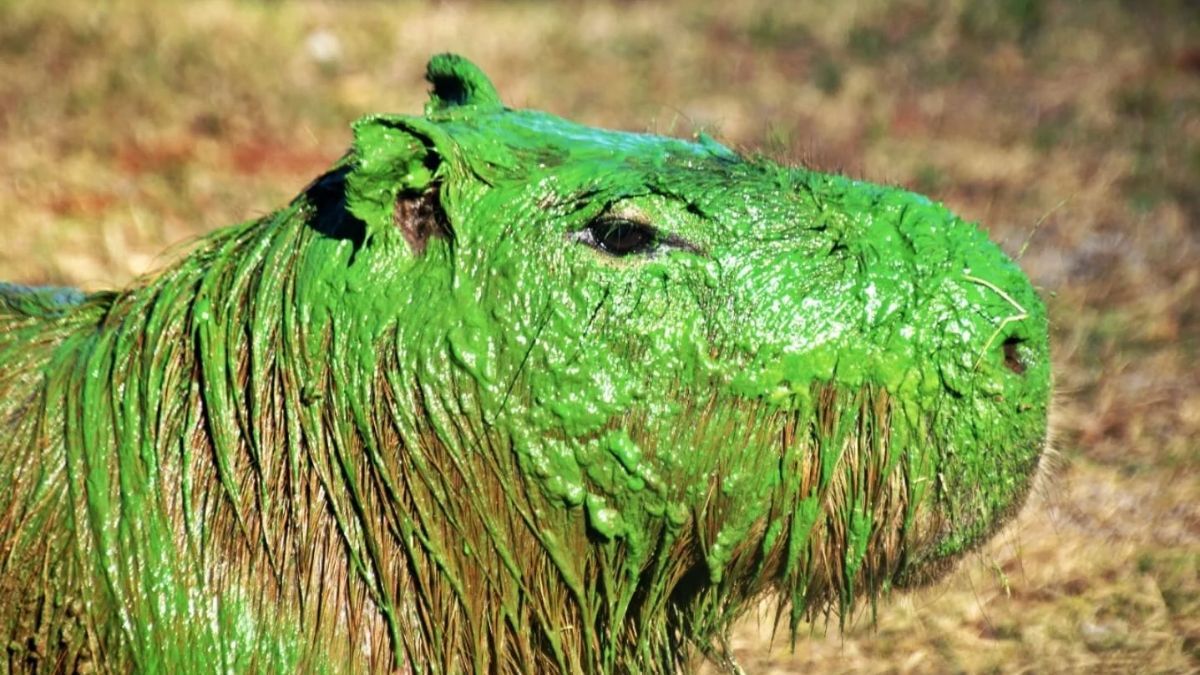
1074, 127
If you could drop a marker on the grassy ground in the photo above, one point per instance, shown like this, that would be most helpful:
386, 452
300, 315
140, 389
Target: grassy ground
1070, 129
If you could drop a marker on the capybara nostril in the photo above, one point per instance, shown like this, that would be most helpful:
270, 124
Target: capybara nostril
1012, 355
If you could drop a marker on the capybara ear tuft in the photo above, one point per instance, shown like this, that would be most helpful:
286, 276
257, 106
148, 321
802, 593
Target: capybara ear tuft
458, 82
419, 217
389, 163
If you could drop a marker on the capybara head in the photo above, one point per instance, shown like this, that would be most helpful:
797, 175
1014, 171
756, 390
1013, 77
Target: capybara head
502, 392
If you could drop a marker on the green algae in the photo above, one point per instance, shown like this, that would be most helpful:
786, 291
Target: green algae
315, 445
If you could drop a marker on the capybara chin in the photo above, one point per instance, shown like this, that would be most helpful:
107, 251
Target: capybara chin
504, 393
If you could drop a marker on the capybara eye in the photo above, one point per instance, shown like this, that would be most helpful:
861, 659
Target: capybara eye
620, 236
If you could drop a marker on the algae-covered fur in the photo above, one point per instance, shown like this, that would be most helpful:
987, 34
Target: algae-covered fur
504, 393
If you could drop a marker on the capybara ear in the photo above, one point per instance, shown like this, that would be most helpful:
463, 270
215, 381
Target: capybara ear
458, 82
391, 178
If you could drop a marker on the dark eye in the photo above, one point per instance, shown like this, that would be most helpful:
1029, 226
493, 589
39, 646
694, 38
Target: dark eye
620, 237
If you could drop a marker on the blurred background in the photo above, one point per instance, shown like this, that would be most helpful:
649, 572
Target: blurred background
1069, 129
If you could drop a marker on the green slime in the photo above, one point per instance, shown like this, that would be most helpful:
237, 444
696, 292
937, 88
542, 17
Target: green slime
314, 445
